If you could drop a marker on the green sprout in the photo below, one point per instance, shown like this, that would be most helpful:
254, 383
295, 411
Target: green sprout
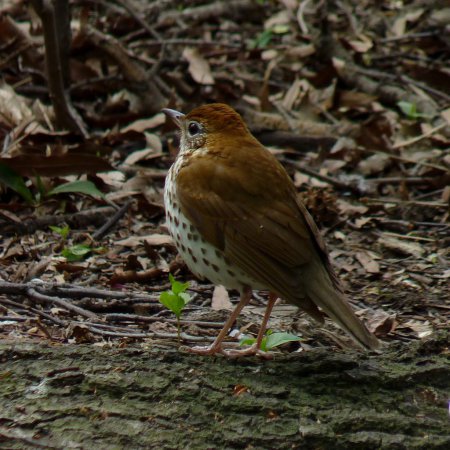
270, 340
16, 182
62, 231
79, 252
176, 299
410, 110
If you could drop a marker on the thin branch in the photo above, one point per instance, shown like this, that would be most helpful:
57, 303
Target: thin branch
56, 24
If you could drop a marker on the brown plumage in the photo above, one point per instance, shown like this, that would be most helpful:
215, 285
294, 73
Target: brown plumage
246, 227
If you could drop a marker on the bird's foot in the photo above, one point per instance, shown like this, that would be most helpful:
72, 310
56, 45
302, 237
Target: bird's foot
213, 349
253, 350
207, 350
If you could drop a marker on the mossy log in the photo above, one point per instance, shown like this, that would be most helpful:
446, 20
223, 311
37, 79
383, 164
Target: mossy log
152, 396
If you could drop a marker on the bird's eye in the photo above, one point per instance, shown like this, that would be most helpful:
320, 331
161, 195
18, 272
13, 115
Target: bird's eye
193, 128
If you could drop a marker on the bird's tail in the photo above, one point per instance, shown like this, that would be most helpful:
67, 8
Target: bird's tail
322, 291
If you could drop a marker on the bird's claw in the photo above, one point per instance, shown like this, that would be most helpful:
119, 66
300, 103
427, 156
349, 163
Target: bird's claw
214, 349
250, 351
207, 350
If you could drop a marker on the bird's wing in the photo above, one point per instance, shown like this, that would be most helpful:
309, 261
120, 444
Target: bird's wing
249, 210
254, 217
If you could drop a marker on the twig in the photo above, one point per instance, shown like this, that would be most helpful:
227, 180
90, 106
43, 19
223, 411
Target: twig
405, 37
14, 318
404, 79
406, 237
56, 24
115, 317
41, 298
34, 311
333, 181
72, 291
231, 8
387, 92
373, 201
419, 138
139, 81
150, 334
409, 224
78, 220
402, 159
138, 18
111, 222
186, 42
397, 180
300, 18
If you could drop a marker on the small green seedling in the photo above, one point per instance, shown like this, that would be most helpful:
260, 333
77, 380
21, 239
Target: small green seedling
262, 40
16, 182
62, 231
271, 340
176, 299
79, 252
410, 110
77, 187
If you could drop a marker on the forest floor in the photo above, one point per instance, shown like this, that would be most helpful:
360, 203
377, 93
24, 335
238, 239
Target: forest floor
353, 97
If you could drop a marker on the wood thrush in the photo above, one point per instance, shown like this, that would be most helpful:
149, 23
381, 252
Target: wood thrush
236, 220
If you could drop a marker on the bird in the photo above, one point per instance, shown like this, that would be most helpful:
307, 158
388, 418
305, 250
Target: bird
236, 220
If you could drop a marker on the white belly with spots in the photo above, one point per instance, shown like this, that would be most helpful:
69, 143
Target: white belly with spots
202, 258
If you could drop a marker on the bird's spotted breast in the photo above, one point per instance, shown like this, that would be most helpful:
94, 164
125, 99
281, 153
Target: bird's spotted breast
202, 258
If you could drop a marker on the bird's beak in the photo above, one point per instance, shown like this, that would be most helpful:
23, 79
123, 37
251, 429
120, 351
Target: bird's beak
176, 116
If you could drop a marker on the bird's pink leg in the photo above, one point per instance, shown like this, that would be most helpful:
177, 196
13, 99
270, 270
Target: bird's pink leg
255, 349
216, 346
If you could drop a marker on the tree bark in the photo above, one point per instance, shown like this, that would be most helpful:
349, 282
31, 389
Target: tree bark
149, 395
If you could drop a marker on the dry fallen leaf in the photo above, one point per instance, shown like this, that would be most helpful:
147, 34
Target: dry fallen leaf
348, 209
141, 125
368, 262
198, 66
422, 329
137, 156
401, 246
152, 239
399, 26
381, 323
361, 44
220, 299
374, 164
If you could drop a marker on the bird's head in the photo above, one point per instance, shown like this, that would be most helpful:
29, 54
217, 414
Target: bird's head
208, 126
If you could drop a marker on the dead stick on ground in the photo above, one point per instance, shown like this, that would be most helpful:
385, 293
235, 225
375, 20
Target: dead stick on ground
419, 138
138, 78
112, 221
56, 24
41, 298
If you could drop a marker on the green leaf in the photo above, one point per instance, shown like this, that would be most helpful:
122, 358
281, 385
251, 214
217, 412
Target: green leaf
15, 182
177, 298
177, 287
247, 341
262, 40
172, 301
40, 187
186, 297
276, 339
62, 231
264, 344
410, 110
78, 187
270, 340
281, 28
76, 253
